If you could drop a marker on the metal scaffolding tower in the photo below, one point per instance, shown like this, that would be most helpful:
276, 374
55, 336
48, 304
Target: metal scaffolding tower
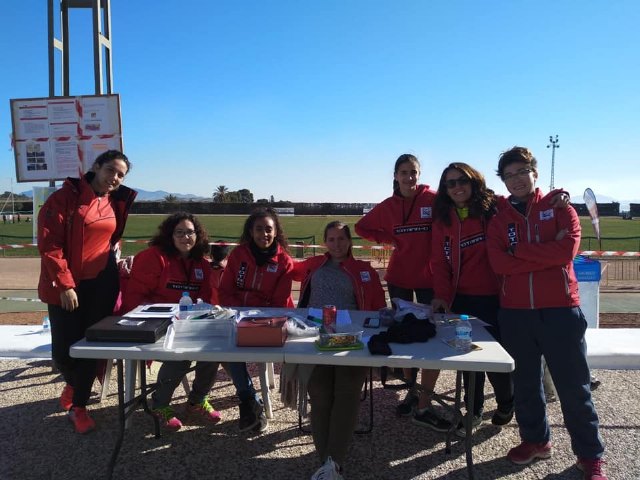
553, 145
102, 64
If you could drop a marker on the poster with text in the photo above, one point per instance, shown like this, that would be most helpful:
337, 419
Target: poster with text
58, 137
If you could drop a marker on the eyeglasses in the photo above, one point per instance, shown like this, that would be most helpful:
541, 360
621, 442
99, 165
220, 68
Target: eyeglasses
523, 172
457, 181
184, 233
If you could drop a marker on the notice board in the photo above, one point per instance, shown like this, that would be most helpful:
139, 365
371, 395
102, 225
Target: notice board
59, 137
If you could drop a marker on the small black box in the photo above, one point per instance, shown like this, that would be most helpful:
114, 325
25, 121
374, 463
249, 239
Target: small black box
135, 330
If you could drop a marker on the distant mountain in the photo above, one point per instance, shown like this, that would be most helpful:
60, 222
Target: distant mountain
145, 195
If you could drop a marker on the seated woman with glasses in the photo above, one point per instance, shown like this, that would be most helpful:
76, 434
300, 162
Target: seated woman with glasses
175, 263
336, 278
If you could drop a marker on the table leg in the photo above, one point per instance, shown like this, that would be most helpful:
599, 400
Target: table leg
130, 372
121, 421
264, 387
469, 423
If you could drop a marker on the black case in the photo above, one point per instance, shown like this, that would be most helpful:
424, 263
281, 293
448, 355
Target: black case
108, 330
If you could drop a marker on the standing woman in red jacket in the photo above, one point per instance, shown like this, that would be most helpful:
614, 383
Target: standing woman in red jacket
336, 278
463, 279
404, 221
78, 229
175, 263
258, 274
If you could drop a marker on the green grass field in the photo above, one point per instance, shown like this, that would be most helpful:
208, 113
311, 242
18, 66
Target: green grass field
617, 234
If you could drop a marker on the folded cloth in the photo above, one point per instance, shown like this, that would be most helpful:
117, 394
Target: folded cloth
294, 380
378, 345
404, 307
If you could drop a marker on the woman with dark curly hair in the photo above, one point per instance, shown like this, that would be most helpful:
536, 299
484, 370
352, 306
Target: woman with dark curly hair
463, 279
258, 274
175, 263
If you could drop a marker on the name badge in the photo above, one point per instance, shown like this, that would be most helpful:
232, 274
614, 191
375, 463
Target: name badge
547, 214
365, 276
272, 267
198, 273
425, 212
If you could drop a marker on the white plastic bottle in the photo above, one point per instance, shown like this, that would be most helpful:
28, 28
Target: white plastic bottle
186, 305
46, 326
463, 334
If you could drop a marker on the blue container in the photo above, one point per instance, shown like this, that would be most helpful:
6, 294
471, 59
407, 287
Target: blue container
587, 269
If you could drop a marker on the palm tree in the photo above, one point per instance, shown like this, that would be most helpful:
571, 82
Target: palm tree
170, 198
220, 195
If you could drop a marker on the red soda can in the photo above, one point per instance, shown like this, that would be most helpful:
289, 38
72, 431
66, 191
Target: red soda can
329, 313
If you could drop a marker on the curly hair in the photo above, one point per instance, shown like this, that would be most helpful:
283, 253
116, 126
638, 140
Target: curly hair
516, 154
164, 238
481, 204
263, 212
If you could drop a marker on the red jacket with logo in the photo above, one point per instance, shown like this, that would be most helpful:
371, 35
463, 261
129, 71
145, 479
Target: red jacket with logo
61, 233
365, 280
536, 269
157, 277
406, 224
459, 259
245, 284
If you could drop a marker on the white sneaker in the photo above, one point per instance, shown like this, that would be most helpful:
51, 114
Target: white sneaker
328, 471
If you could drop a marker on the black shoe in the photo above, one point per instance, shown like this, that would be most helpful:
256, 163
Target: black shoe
262, 424
502, 417
250, 412
431, 420
408, 406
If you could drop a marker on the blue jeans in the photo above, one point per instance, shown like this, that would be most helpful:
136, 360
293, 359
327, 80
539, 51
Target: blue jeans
558, 334
241, 380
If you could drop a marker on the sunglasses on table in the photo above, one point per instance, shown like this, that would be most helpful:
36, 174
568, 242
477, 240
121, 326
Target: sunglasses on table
451, 183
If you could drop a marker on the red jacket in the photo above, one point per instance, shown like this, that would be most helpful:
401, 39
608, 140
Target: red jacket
245, 284
406, 224
459, 259
157, 277
365, 280
536, 269
61, 233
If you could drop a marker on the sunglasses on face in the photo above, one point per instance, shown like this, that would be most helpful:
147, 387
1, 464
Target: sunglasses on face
451, 183
523, 172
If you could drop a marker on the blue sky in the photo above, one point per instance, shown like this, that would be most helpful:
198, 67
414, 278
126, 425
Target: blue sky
314, 101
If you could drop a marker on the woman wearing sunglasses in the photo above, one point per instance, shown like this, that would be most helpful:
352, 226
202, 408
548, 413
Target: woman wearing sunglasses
463, 279
175, 263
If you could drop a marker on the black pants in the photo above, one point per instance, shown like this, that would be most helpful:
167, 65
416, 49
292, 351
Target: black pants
423, 295
96, 299
485, 307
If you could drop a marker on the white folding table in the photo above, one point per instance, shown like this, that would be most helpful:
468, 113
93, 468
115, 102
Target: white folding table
434, 354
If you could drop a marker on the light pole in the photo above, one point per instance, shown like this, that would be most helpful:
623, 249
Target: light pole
553, 144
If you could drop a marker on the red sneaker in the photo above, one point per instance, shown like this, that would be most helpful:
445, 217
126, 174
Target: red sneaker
82, 422
205, 411
592, 468
66, 399
527, 452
